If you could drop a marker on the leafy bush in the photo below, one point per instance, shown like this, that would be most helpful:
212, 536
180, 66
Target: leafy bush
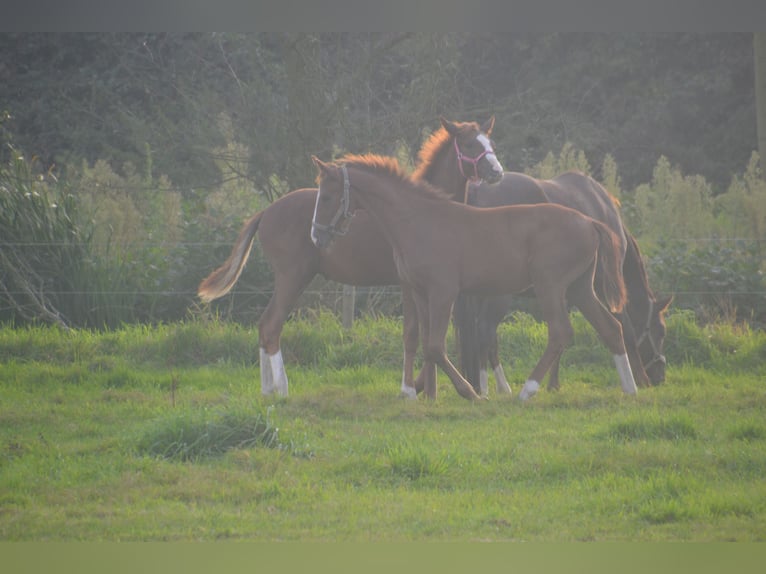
43, 251
707, 249
717, 279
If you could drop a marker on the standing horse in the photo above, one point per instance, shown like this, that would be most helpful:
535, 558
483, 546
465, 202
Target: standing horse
442, 248
361, 255
477, 319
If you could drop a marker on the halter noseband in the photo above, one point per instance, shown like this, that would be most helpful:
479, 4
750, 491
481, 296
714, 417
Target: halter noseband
647, 335
472, 160
342, 215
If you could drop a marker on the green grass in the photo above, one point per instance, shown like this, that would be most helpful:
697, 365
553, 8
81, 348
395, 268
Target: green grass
161, 434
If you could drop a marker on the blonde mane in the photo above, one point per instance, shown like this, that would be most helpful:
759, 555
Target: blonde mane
432, 147
389, 166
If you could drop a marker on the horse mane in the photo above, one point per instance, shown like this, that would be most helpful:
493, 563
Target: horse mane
633, 266
434, 145
430, 150
389, 166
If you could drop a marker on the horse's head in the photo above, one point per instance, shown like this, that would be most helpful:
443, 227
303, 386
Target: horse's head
332, 210
652, 339
475, 155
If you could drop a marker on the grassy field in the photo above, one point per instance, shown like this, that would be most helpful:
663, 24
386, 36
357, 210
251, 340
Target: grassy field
161, 434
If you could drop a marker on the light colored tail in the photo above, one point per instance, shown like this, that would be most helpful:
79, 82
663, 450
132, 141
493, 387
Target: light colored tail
220, 281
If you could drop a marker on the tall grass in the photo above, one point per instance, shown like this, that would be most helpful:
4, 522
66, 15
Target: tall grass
317, 339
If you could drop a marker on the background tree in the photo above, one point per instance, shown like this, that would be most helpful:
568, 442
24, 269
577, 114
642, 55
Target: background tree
165, 142
759, 43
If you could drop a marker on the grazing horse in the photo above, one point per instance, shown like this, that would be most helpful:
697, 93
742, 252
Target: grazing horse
477, 319
361, 255
442, 248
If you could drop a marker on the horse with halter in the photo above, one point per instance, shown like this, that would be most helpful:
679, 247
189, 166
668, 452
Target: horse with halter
360, 254
477, 319
442, 248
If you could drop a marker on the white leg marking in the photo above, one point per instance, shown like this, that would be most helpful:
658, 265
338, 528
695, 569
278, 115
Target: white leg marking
483, 383
278, 371
407, 392
626, 375
530, 388
503, 388
267, 379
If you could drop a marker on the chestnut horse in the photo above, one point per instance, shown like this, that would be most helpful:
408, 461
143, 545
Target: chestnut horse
442, 248
361, 255
477, 319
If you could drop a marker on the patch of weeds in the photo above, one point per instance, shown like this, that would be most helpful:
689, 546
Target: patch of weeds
193, 436
665, 512
736, 504
652, 428
748, 431
119, 379
416, 462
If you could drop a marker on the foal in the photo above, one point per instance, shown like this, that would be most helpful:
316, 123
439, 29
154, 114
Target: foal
442, 248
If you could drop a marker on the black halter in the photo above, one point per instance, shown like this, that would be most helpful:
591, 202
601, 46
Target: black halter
657, 356
341, 216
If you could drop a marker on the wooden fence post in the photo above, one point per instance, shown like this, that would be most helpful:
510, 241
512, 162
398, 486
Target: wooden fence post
349, 296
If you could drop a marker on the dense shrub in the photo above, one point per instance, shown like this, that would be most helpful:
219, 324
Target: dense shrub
43, 250
718, 279
100, 246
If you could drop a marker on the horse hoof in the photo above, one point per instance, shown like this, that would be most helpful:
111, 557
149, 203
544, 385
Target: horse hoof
530, 389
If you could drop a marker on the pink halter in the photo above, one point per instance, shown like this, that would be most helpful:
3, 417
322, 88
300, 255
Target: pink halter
472, 160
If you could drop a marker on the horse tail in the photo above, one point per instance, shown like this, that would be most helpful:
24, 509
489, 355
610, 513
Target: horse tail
465, 321
220, 281
612, 281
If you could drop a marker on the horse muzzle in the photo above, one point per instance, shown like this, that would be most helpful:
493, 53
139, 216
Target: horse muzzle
493, 176
321, 238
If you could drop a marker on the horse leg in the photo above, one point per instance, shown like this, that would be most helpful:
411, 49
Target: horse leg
553, 376
484, 353
493, 356
560, 334
439, 310
608, 329
426, 380
287, 289
488, 352
410, 336
631, 345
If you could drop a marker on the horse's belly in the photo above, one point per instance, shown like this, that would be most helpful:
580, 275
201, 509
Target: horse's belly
362, 257
498, 278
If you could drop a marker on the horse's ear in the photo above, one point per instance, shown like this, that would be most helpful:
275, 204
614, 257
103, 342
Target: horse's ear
319, 163
488, 125
664, 302
449, 126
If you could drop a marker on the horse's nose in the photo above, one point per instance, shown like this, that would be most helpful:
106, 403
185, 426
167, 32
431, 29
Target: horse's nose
495, 176
320, 239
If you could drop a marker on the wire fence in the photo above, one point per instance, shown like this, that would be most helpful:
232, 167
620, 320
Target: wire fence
255, 292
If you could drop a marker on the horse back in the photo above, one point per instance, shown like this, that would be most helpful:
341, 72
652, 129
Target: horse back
513, 189
571, 189
584, 194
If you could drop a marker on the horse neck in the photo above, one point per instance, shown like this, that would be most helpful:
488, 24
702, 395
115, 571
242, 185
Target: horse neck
392, 208
444, 173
